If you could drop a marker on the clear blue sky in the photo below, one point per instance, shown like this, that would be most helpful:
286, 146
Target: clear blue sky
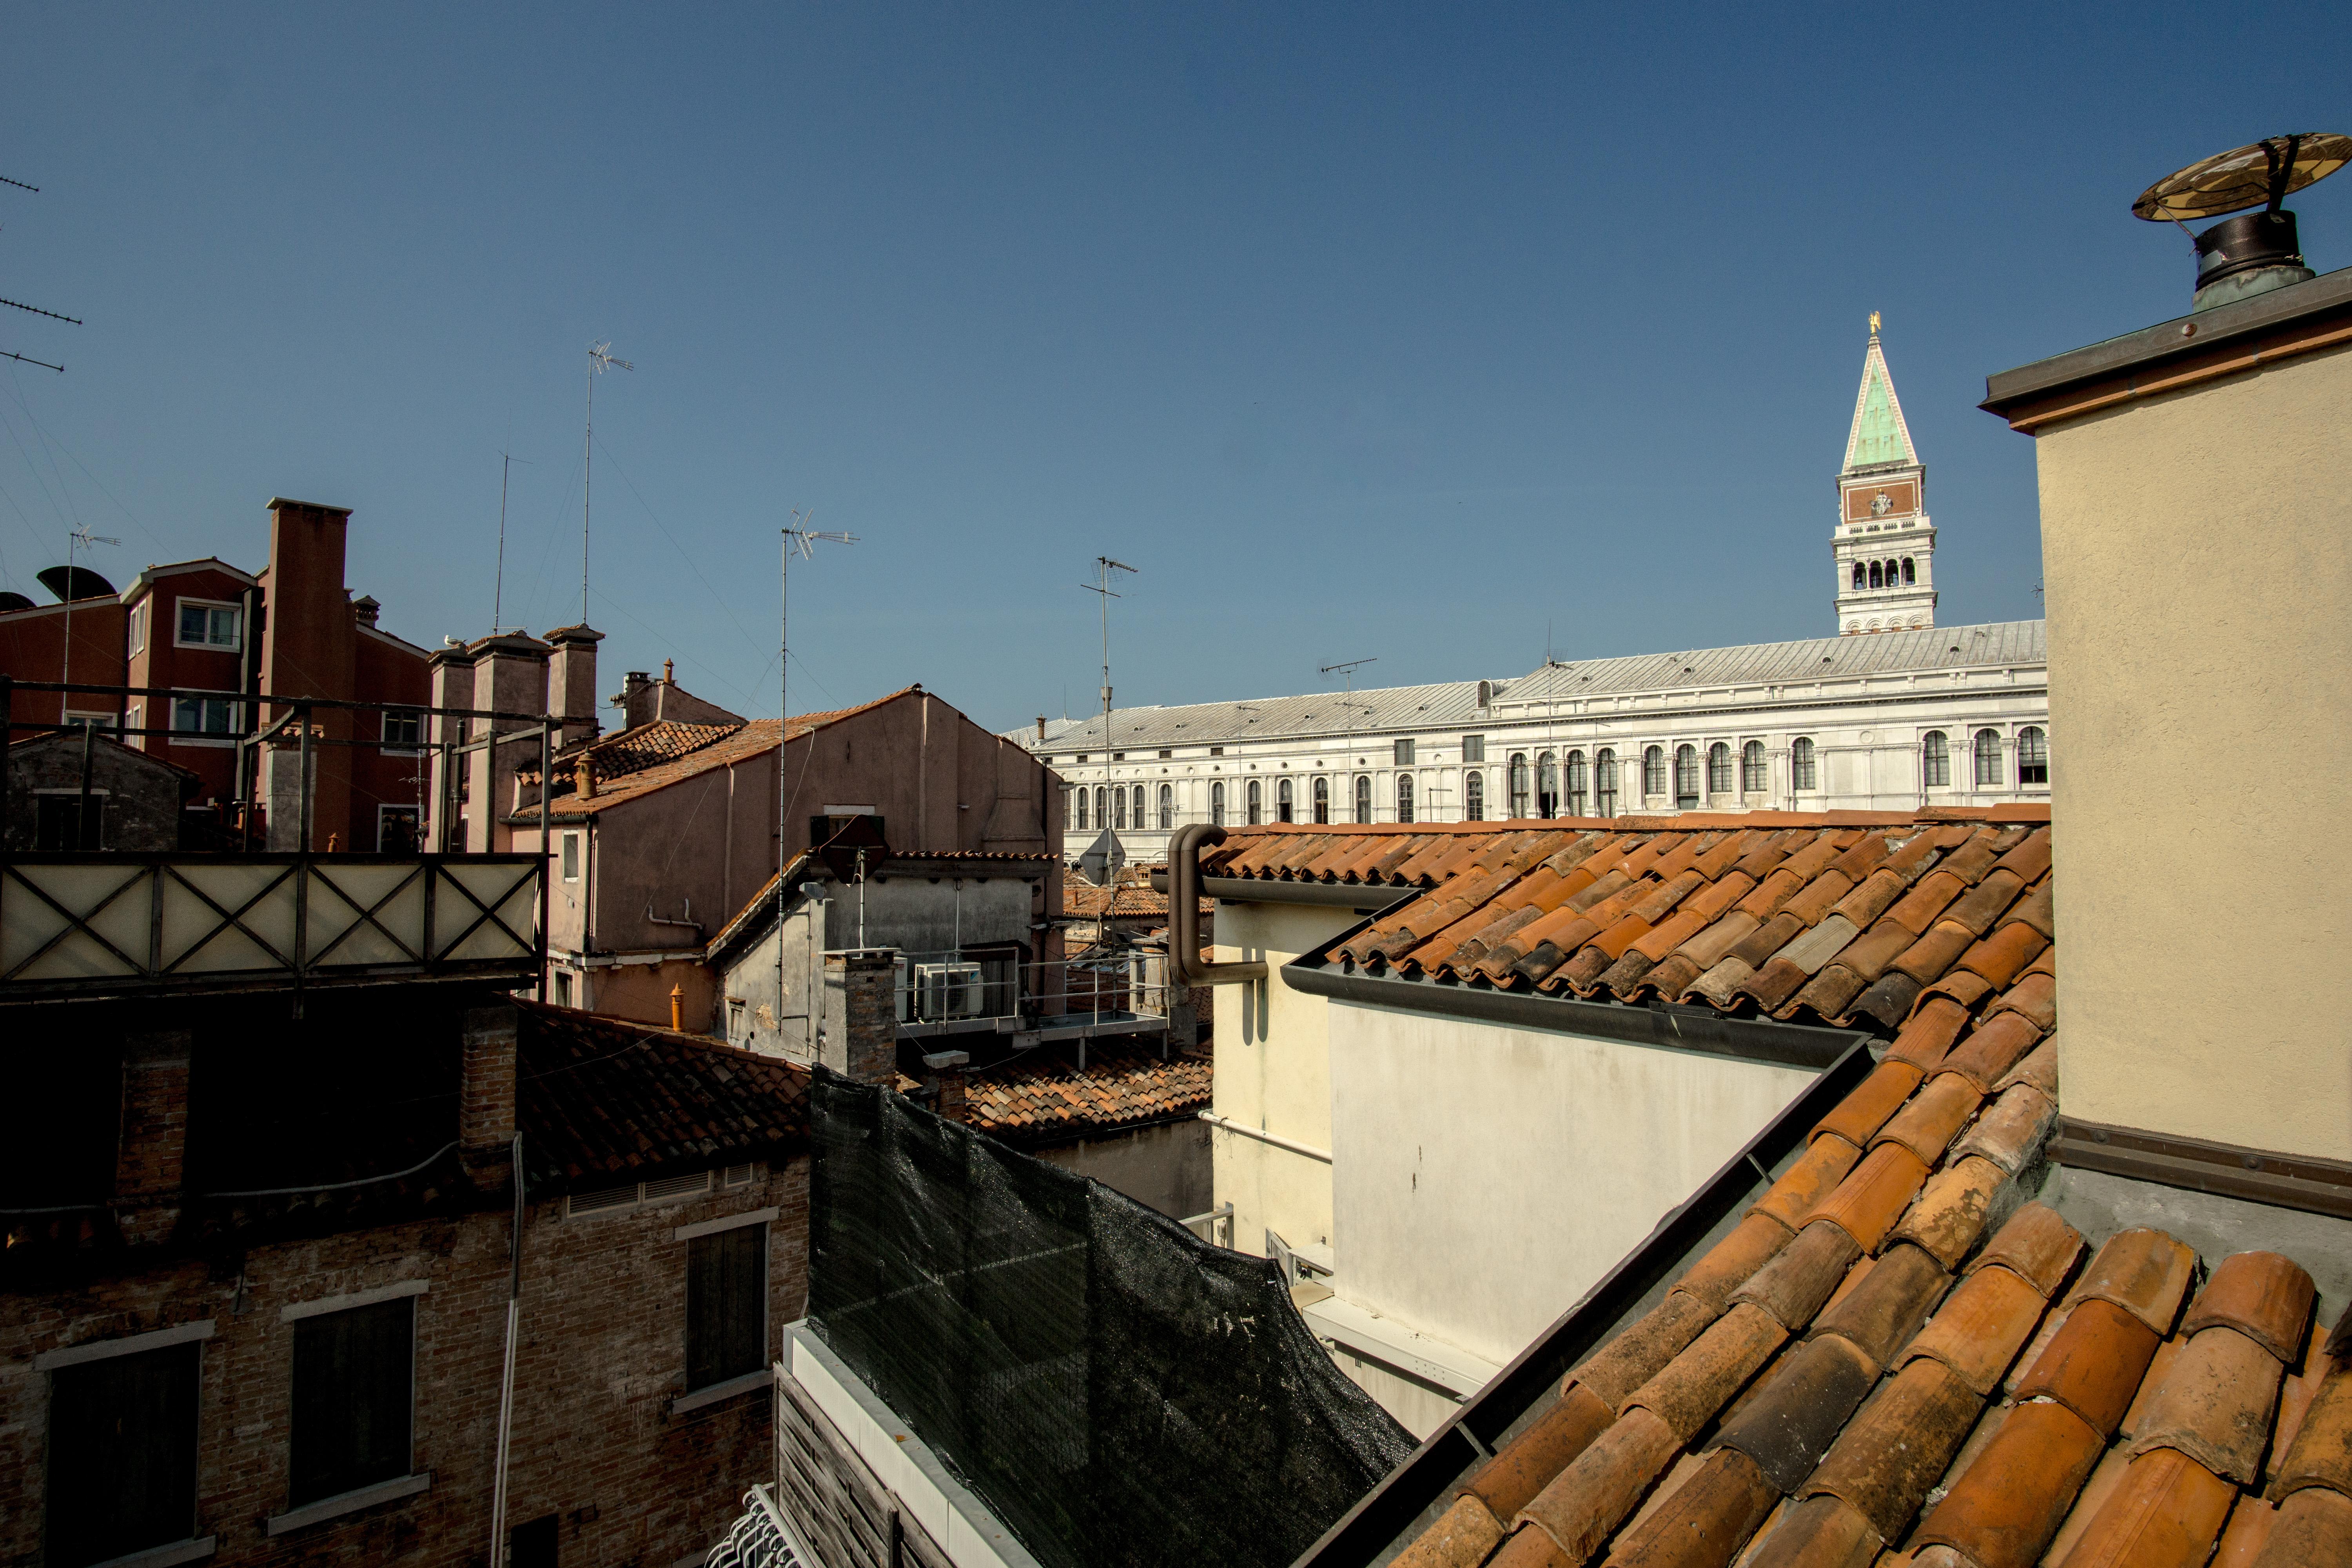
1364, 331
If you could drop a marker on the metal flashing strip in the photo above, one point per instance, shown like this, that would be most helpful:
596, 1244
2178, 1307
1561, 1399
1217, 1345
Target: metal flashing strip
2300, 1182
1365, 1532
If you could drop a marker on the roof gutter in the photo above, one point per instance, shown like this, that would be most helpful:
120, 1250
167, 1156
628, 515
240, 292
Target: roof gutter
1414, 1488
1184, 913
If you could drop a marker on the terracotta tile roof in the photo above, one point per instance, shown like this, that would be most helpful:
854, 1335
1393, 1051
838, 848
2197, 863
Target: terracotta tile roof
1090, 902
1894, 1358
600, 1097
648, 745
1042, 1097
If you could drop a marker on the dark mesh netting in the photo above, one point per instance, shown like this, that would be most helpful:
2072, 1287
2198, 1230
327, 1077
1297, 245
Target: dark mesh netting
1117, 1390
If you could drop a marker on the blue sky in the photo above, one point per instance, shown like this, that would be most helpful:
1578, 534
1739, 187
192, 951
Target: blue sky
1416, 334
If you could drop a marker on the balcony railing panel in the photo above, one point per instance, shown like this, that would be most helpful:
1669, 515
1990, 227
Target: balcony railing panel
79, 924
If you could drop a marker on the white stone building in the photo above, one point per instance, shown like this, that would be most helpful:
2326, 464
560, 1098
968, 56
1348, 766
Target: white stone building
1892, 715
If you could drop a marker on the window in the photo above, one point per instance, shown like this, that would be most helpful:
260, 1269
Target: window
1322, 799
1858, 580
1081, 799
1404, 795
1165, 751
1216, 805
57, 826
1256, 809
397, 828
139, 627
353, 1396
1801, 773
1653, 771
1719, 769
1604, 782
1474, 748
1936, 761
1753, 778
404, 732
1138, 808
1102, 808
1575, 783
1213, 750
735, 1010
1404, 754
1473, 796
562, 989
1167, 808
122, 1455
572, 857
1547, 785
726, 1305
2032, 756
207, 624
1282, 803
1518, 771
211, 717
1909, 573
1988, 760
1686, 776
1119, 799
1363, 797
1878, 578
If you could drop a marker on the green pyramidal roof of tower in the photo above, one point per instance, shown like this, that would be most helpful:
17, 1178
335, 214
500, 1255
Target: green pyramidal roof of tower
1879, 435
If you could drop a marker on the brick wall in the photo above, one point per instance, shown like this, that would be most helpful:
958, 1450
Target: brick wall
602, 1356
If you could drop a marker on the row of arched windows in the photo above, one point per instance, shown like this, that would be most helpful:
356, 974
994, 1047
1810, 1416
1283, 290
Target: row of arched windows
1285, 803
1984, 748
1885, 574
1111, 807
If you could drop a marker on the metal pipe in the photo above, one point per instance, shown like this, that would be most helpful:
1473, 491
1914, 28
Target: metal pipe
1263, 1136
506, 1379
1184, 914
83, 837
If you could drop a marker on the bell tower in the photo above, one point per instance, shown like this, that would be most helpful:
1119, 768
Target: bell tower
1883, 543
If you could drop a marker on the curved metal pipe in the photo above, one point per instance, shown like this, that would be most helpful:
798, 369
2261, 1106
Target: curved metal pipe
1184, 913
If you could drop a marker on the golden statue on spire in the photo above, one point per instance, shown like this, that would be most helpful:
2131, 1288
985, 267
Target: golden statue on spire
1874, 323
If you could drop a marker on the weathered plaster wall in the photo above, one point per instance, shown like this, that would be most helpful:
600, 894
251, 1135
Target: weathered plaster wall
2196, 556
1166, 1167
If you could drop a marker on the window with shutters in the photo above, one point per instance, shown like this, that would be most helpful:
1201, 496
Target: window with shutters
1474, 748
1216, 805
1576, 783
1082, 811
1803, 773
121, 1455
1404, 797
1166, 807
2032, 756
726, 1305
1936, 760
1322, 799
1404, 754
353, 1394
1473, 796
1604, 782
1518, 785
1138, 808
1719, 769
1989, 759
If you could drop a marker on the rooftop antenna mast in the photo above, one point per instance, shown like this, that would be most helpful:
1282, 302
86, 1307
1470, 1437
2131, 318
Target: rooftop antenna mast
798, 536
507, 461
599, 359
1104, 567
1348, 668
35, 310
78, 537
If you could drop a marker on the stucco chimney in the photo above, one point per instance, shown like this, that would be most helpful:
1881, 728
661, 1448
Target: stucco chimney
638, 700
453, 686
510, 677
861, 1023
571, 681
152, 1150
486, 1102
307, 649
364, 610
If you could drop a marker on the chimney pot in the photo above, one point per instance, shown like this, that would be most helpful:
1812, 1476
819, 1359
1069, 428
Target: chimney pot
583, 780
486, 1109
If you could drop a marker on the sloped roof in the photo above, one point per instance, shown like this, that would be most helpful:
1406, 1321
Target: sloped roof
1443, 705
1879, 436
1090, 902
1043, 1097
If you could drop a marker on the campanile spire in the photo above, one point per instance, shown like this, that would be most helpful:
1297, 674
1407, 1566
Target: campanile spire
1883, 543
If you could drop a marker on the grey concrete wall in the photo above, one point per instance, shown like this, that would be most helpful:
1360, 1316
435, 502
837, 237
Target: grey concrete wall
918, 914
1166, 1167
139, 798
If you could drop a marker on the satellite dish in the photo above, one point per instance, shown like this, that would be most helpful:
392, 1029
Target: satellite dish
69, 583
14, 601
2262, 174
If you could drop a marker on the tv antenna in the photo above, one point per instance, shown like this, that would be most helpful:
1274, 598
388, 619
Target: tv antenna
1348, 668
1104, 567
507, 460
78, 537
599, 359
34, 309
798, 536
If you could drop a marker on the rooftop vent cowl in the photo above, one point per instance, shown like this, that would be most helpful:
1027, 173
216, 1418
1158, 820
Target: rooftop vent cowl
2253, 252
2247, 255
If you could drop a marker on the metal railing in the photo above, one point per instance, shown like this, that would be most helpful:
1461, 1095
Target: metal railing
975, 987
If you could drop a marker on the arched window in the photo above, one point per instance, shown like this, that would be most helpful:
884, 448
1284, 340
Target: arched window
1989, 759
1934, 760
1518, 785
1256, 804
1102, 808
1686, 776
1322, 798
1217, 803
1473, 795
1604, 782
1282, 803
1910, 573
1119, 799
1404, 797
1653, 771
1082, 810
2033, 755
1719, 769
1138, 808
1575, 783
1363, 797
1803, 773
1547, 785
1858, 580
1877, 575
1753, 777
1166, 807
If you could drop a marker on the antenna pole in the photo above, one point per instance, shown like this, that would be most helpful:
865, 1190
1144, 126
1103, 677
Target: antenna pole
804, 540
600, 359
499, 579
1104, 567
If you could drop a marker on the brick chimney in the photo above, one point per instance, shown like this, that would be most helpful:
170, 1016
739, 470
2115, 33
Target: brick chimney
861, 1018
307, 649
486, 1099
151, 1149
945, 1069
571, 681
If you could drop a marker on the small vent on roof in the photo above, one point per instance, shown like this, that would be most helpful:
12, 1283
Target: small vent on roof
600, 1201
677, 1186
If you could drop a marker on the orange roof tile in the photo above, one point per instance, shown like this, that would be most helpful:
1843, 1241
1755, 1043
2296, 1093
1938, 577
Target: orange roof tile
1044, 1095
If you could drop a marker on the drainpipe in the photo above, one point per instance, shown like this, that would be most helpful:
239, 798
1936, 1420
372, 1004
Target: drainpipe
506, 1383
1184, 913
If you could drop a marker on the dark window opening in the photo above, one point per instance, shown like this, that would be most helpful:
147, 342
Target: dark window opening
122, 1455
353, 1394
2032, 756
1322, 800
1546, 787
1685, 777
726, 1305
1604, 782
1575, 783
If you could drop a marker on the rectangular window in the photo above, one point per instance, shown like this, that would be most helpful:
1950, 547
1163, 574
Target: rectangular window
397, 828
211, 717
726, 1305
122, 1455
204, 623
138, 627
58, 824
80, 721
570, 842
404, 732
135, 719
1213, 750
1474, 748
562, 989
353, 1390
1167, 754
1404, 754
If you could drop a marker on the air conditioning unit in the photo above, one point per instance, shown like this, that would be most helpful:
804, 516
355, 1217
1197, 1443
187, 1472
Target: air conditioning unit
949, 990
